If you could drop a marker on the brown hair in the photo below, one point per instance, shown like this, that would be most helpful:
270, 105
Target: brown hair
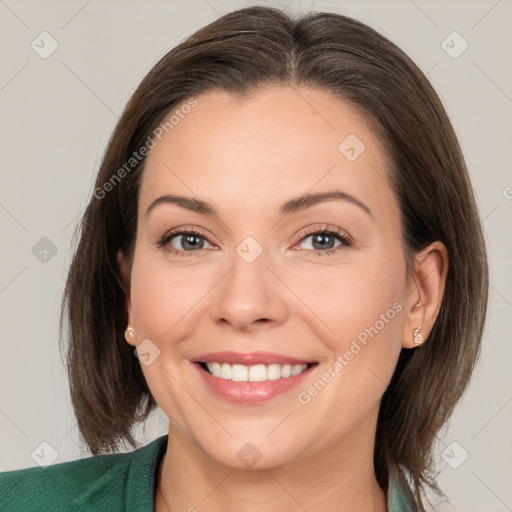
241, 52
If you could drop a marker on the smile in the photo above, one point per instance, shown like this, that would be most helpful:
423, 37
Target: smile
251, 377
254, 373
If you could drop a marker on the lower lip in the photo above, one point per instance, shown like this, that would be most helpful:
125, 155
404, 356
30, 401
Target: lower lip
251, 392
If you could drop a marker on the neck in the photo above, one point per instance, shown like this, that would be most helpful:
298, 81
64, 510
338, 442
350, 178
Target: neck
337, 478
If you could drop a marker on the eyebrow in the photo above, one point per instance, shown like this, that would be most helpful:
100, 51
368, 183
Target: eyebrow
293, 205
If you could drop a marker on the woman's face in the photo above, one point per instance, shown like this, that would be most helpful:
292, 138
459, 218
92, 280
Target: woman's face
261, 277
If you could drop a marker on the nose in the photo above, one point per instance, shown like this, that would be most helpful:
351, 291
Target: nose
249, 297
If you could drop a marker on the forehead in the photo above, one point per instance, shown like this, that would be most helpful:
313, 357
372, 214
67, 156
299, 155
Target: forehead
254, 153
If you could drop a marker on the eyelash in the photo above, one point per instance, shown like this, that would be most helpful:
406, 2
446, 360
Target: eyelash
342, 236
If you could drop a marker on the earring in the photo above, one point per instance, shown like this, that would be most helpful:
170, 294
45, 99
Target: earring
129, 333
418, 337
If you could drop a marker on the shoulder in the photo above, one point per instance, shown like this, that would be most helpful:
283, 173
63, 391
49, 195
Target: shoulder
65, 485
103, 482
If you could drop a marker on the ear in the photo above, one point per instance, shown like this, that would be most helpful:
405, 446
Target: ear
125, 272
426, 288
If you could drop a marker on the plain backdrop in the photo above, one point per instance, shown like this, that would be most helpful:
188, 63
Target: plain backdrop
57, 114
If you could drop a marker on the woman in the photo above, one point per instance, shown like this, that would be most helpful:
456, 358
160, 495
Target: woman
284, 233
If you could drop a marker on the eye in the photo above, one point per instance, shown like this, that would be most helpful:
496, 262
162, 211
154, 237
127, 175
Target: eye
325, 241
319, 241
184, 241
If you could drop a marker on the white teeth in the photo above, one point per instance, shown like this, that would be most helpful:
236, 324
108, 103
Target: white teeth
255, 373
286, 371
225, 371
273, 371
296, 370
239, 373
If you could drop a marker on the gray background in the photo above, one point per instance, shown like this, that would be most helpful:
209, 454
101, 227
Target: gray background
57, 114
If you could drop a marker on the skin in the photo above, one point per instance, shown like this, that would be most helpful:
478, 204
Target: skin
246, 158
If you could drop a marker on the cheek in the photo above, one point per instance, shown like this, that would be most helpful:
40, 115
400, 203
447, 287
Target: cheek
369, 338
361, 311
165, 304
163, 297
360, 305
368, 309
359, 299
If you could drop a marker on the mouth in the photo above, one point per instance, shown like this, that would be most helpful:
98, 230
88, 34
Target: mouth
253, 373
251, 378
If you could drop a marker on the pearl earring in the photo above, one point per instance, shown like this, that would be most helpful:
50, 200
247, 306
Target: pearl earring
129, 333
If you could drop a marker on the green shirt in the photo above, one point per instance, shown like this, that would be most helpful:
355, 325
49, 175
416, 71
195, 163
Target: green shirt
115, 482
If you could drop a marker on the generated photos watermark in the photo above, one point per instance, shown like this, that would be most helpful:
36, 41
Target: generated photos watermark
361, 341
137, 156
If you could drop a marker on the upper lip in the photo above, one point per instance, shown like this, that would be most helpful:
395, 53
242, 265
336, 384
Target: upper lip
248, 359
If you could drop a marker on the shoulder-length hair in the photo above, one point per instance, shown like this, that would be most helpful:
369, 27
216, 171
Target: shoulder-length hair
242, 52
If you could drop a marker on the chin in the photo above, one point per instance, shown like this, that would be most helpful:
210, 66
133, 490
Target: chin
250, 453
